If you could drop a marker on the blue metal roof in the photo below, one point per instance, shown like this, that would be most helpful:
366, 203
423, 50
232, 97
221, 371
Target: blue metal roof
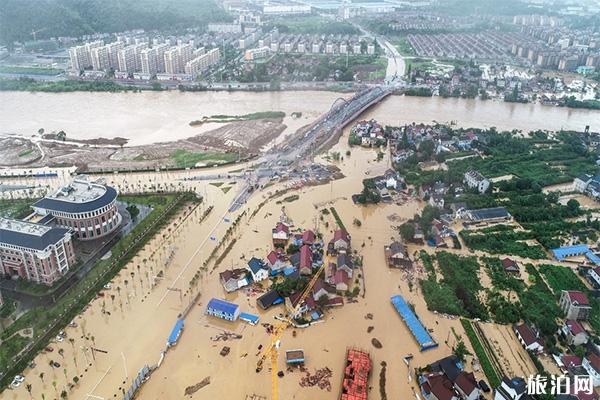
253, 319
413, 323
576, 250
175, 332
256, 265
32, 241
70, 207
222, 305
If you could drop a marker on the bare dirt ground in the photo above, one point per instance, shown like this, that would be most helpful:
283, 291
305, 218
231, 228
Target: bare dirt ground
245, 137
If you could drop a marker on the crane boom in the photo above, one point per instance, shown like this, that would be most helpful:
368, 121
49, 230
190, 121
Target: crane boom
278, 329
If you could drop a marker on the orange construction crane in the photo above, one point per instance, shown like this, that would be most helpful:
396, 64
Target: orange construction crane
271, 350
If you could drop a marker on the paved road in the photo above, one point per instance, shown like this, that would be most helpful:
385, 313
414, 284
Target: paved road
298, 151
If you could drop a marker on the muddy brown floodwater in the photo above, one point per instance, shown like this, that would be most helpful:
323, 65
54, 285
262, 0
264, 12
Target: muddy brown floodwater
140, 317
151, 117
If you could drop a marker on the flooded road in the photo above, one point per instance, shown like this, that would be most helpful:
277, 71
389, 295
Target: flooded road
151, 117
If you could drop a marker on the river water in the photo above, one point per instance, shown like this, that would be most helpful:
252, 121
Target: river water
151, 117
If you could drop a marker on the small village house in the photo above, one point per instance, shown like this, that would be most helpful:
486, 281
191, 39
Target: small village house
276, 262
258, 269
306, 260
529, 338
223, 309
340, 242
575, 304
281, 234
233, 279
269, 299
475, 180
510, 266
591, 363
574, 333
511, 389
397, 255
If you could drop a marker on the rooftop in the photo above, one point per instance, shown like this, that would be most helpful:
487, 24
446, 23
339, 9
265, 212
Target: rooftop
79, 196
26, 234
79, 191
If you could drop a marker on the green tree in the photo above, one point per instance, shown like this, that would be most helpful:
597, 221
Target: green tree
407, 230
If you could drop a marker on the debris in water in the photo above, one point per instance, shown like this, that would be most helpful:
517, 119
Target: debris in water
320, 378
190, 390
370, 329
376, 343
225, 350
225, 336
369, 316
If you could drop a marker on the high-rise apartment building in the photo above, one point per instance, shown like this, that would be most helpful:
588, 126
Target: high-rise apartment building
113, 50
126, 59
160, 55
81, 56
171, 61
202, 62
149, 59
100, 58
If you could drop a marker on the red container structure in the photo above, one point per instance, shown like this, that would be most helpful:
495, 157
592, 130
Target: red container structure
356, 375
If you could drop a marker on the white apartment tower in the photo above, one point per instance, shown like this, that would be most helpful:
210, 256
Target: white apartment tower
81, 56
113, 50
202, 62
100, 58
171, 61
126, 59
149, 59
185, 53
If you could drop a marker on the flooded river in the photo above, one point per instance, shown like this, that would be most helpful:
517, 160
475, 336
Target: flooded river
151, 117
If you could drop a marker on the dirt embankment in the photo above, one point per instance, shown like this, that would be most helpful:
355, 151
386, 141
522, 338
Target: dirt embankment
245, 138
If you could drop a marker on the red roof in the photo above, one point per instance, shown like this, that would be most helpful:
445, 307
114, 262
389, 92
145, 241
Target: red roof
272, 257
582, 394
527, 334
341, 276
509, 264
466, 382
281, 227
578, 297
594, 361
571, 361
305, 257
308, 237
355, 385
341, 234
574, 326
441, 386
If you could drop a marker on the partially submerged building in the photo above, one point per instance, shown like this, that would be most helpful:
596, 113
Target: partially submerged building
355, 383
223, 309
414, 325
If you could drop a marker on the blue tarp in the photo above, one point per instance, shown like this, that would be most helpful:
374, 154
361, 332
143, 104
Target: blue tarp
289, 270
175, 332
250, 318
413, 323
570, 251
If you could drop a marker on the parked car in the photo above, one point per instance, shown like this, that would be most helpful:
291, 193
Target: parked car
17, 380
484, 386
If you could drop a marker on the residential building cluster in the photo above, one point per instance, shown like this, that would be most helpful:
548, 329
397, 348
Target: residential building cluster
141, 59
487, 45
311, 44
555, 47
297, 255
40, 247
